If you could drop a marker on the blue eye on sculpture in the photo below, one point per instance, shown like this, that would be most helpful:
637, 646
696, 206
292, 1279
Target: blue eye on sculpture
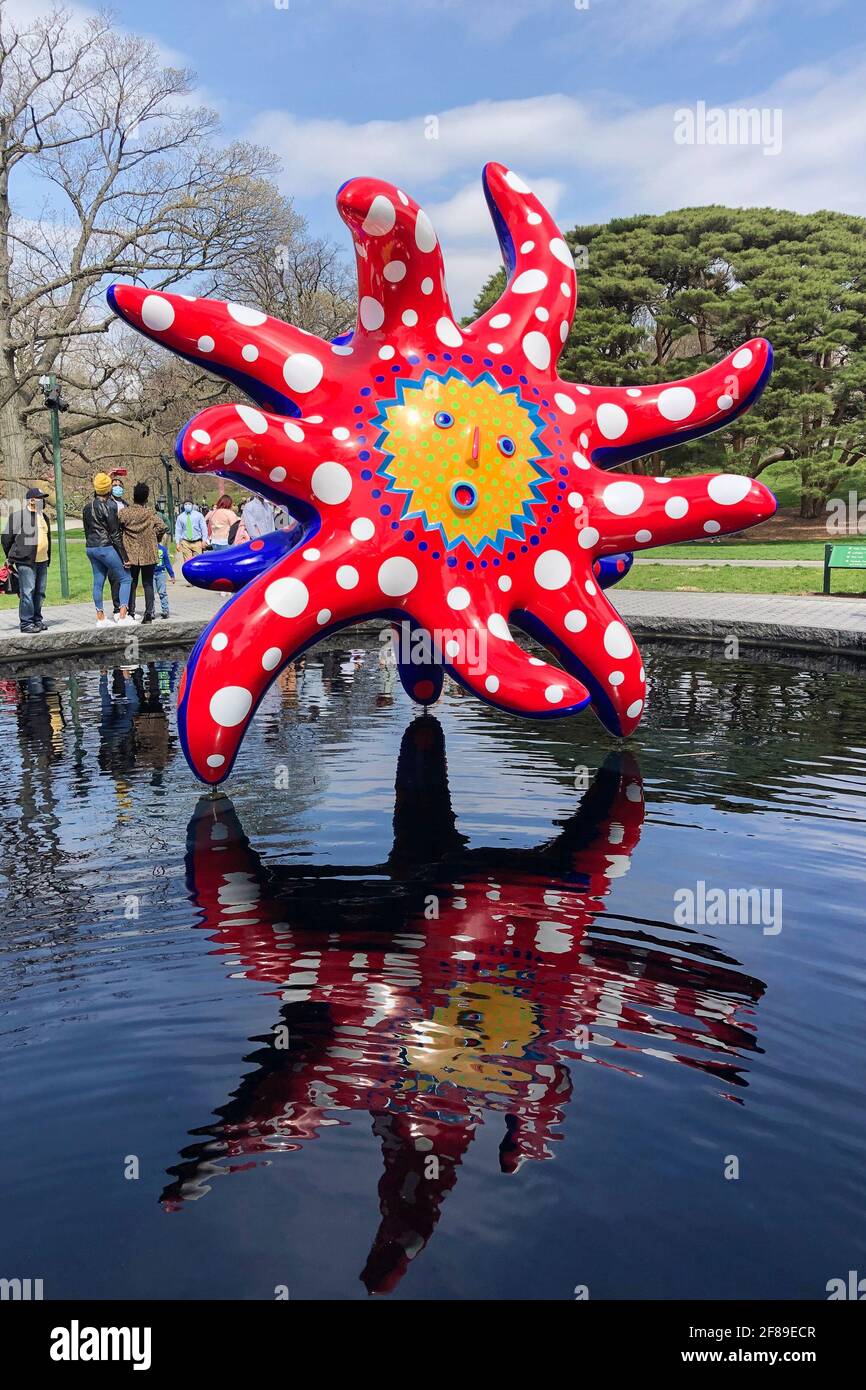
443, 419
505, 445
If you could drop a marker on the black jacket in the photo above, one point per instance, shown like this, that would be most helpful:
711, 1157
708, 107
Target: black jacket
20, 535
102, 524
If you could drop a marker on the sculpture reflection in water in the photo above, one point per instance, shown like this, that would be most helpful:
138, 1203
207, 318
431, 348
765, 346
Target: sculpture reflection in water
445, 987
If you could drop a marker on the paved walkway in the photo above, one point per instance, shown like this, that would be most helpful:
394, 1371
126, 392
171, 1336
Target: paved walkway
716, 562
815, 622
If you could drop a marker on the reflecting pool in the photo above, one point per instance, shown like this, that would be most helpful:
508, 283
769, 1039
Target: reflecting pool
435, 1007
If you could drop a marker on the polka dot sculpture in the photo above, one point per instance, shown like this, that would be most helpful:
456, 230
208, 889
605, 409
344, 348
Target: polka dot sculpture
446, 478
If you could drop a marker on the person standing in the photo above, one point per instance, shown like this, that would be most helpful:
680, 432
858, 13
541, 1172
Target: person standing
142, 531
161, 575
103, 542
190, 532
27, 545
220, 521
117, 493
258, 516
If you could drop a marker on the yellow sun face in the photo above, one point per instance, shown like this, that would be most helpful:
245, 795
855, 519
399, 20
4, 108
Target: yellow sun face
464, 452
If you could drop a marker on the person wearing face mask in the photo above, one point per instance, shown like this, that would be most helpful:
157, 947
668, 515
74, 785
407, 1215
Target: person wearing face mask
190, 532
117, 493
104, 548
27, 545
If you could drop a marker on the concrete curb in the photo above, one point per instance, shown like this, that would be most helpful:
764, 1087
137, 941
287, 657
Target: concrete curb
837, 640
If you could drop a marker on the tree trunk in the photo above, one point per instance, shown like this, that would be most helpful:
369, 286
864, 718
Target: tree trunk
15, 467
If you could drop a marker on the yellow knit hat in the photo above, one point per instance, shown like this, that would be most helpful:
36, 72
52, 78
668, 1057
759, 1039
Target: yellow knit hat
101, 484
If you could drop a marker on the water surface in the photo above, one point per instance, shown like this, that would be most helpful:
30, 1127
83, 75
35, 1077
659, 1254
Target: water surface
414, 1011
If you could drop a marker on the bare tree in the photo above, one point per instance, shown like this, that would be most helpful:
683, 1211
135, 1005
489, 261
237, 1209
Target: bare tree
301, 279
135, 185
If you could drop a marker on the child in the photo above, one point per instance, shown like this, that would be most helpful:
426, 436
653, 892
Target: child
163, 568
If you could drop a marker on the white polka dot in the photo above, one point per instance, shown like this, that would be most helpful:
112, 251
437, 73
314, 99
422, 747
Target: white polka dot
409, 317
632, 391
623, 498
381, 216
725, 402
516, 182
215, 759
427, 285
323, 616
552, 570
495, 348
728, 488
563, 331
565, 403
425, 237
504, 582
497, 625
553, 694
537, 349
564, 288
742, 358
313, 419
451, 647
340, 432
253, 419
526, 247
575, 499
590, 587
312, 554
612, 420
331, 483
287, 597
641, 673
643, 537
277, 475
580, 461
617, 640
395, 271
676, 507
230, 452
711, 527
448, 333
386, 352
676, 403
219, 641
206, 343
575, 621
397, 576
541, 314
616, 677
559, 249
157, 313
201, 436
533, 218
492, 684
500, 321
362, 528
402, 196
371, 313
662, 480
302, 372
293, 431
271, 658
634, 709
230, 706
457, 598
536, 661
342, 349
584, 440
249, 352
529, 282
587, 538
250, 318
347, 577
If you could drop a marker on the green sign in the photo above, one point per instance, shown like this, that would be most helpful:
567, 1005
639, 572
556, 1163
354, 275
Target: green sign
848, 557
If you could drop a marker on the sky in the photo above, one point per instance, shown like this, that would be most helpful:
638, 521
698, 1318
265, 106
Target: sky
597, 103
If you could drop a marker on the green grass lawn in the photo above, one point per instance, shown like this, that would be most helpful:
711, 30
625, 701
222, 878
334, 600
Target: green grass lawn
740, 550
725, 579
80, 578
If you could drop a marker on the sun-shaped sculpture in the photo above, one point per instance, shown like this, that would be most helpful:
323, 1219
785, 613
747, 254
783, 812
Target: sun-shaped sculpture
446, 477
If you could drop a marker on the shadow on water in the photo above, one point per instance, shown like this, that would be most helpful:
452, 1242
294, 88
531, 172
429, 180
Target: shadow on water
446, 988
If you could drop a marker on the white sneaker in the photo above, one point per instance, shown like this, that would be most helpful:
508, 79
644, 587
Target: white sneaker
102, 622
125, 622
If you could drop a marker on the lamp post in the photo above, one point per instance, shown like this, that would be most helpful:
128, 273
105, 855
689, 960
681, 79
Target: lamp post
169, 490
54, 403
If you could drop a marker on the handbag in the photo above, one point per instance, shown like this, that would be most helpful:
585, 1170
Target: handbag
8, 579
